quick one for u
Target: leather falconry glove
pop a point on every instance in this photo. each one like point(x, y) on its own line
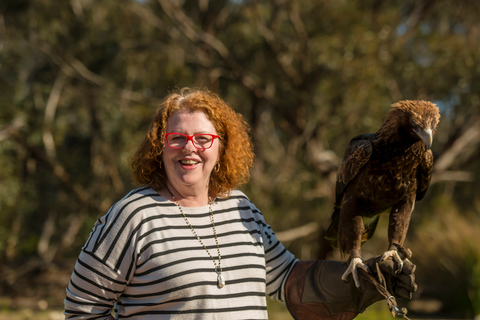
point(314, 289)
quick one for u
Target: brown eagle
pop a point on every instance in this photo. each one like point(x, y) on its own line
point(384, 171)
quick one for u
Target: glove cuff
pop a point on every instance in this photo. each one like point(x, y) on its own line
point(315, 290)
point(294, 291)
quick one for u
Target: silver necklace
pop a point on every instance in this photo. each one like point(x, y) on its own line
point(218, 269)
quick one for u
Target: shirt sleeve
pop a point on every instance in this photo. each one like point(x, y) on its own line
point(279, 262)
point(93, 289)
point(103, 267)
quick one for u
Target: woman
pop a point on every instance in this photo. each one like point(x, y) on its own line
point(186, 244)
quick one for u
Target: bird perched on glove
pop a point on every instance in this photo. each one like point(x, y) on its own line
point(386, 171)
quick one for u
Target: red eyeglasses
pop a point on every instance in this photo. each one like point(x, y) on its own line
point(201, 141)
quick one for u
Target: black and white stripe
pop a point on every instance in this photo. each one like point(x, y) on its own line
point(143, 256)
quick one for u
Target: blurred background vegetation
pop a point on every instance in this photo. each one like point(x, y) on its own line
point(81, 79)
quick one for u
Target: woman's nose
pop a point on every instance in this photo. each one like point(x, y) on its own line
point(189, 146)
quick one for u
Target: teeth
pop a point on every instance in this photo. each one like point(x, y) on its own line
point(189, 162)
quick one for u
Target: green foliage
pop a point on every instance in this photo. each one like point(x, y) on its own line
point(80, 81)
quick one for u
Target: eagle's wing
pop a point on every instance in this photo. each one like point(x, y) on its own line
point(424, 174)
point(356, 156)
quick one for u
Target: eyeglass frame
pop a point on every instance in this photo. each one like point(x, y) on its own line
point(190, 138)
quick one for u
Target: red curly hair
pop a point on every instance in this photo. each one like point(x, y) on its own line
point(236, 155)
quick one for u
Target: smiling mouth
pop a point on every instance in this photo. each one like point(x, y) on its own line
point(188, 162)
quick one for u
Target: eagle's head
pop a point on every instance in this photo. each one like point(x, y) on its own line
point(420, 118)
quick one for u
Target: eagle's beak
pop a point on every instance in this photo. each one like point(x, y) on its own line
point(426, 135)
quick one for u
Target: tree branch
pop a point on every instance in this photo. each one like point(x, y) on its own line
point(190, 31)
point(280, 55)
point(299, 232)
point(461, 176)
point(186, 26)
point(469, 138)
point(50, 110)
point(11, 129)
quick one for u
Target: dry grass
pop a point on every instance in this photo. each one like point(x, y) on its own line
point(29, 314)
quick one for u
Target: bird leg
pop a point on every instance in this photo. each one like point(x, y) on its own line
point(399, 220)
point(355, 263)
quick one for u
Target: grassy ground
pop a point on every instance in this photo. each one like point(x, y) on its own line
point(29, 314)
point(279, 312)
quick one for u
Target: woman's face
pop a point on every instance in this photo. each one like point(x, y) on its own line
point(188, 169)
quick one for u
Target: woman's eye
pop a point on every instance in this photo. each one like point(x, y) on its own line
point(203, 138)
point(177, 139)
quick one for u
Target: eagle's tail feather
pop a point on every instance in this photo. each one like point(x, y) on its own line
point(332, 232)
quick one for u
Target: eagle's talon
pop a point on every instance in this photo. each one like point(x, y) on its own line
point(355, 263)
point(396, 257)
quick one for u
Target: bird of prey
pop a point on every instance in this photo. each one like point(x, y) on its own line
point(386, 171)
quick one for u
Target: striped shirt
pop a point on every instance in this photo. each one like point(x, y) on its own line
point(143, 257)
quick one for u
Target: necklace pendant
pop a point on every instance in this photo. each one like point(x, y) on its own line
point(220, 280)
